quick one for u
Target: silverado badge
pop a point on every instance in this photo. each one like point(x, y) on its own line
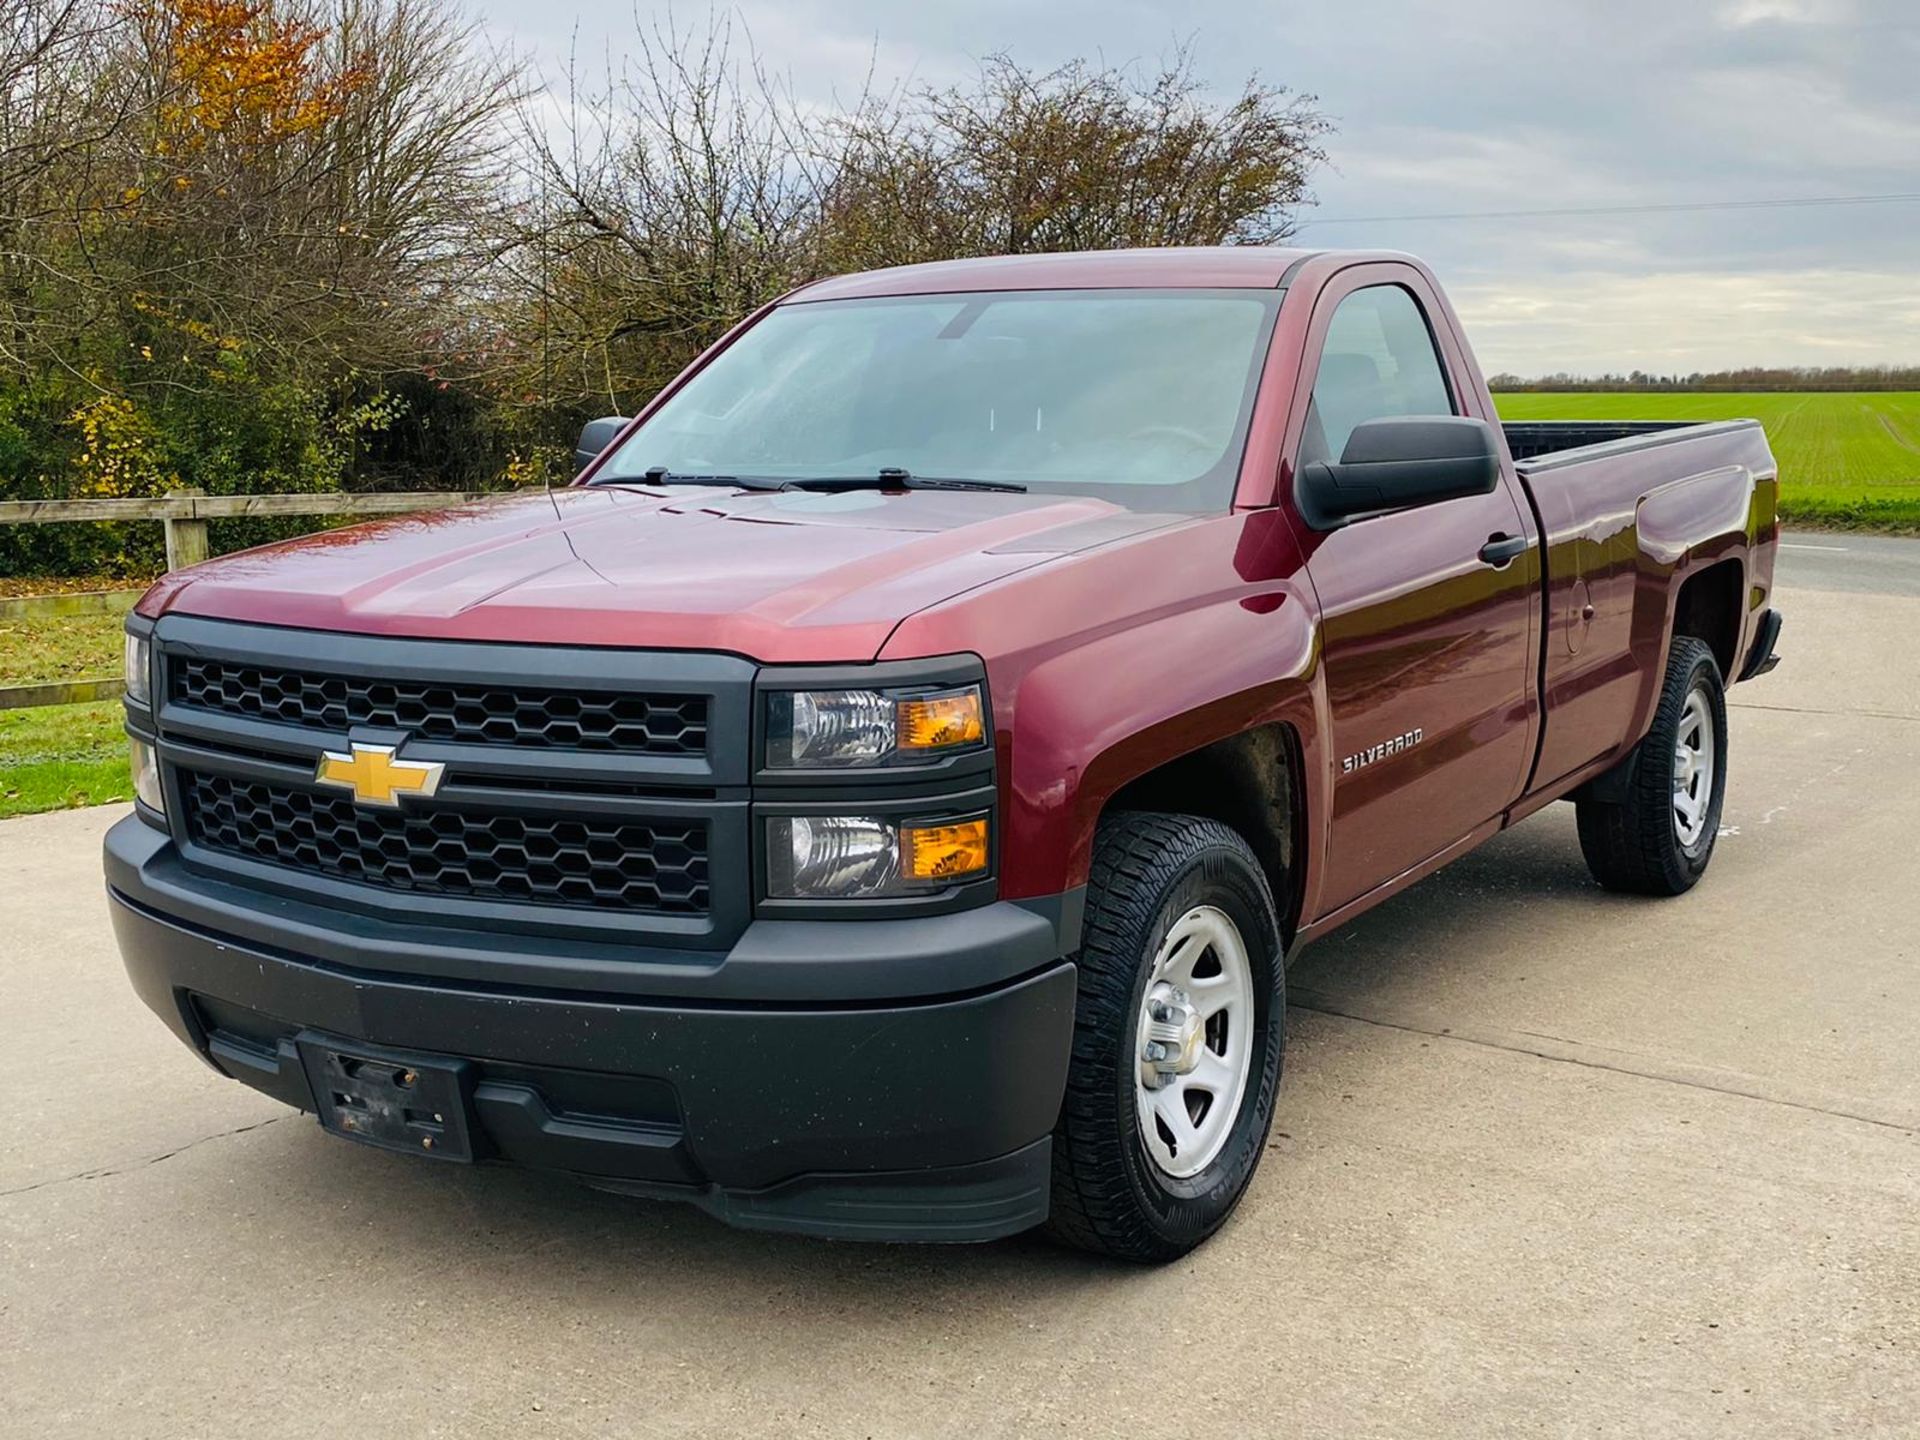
point(375, 777)
point(1366, 757)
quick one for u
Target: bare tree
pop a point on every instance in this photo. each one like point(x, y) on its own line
point(54, 120)
point(1078, 158)
point(688, 188)
point(668, 202)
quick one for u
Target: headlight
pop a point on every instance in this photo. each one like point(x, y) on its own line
point(836, 729)
point(139, 663)
point(146, 777)
point(854, 857)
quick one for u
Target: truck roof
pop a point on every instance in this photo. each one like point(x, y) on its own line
point(1251, 267)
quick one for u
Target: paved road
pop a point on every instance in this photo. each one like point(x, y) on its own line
point(1860, 564)
point(1547, 1162)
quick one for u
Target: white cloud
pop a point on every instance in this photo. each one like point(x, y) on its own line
point(1595, 320)
point(1738, 13)
point(1584, 104)
point(1805, 119)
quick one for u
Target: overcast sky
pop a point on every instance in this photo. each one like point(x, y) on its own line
point(1497, 105)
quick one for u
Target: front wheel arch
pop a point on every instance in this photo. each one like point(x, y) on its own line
point(1254, 784)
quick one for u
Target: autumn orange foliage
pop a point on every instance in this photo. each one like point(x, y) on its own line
point(247, 71)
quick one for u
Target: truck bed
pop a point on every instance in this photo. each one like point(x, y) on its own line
point(1627, 511)
point(1534, 439)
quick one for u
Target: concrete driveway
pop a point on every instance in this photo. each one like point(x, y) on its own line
point(1547, 1162)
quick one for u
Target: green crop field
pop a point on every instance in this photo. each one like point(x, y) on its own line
point(1847, 459)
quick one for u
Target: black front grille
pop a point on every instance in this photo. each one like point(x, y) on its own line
point(463, 713)
point(644, 866)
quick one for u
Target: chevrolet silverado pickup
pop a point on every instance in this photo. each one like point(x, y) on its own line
point(880, 797)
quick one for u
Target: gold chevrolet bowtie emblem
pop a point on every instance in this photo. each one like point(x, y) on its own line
point(375, 777)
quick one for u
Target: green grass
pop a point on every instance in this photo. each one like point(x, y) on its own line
point(54, 757)
point(73, 647)
point(59, 756)
point(1848, 460)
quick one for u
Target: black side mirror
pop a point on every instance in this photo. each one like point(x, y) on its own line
point(595, 436)
point(1399, 462)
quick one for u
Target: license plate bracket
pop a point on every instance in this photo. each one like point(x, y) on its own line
point(415, 1104)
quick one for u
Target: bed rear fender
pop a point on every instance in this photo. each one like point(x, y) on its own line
point(1683, 529)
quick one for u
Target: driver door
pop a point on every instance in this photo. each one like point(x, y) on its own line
point(1429, 651)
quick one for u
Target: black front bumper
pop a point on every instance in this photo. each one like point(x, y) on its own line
point(921, 1118)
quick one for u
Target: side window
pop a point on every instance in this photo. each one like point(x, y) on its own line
point(1378, 360)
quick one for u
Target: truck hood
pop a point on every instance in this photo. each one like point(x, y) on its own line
point(790, 576)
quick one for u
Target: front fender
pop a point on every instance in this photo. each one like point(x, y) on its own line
point(1110, 661)
point(1095, 717)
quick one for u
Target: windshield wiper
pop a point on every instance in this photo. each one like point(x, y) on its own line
point(661, 475)
point(892, 477)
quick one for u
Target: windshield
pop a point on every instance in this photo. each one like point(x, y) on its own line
point(1139, 397)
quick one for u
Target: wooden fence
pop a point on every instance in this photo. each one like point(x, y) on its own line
point(184, 514)
point(15, 608)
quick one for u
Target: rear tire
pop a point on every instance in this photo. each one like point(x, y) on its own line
point(1655, 835)
point(1182, 1004)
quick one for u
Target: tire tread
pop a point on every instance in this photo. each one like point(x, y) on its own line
point(1134, 855)
point(1630, 847)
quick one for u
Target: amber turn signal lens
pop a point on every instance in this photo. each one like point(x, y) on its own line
point(935, 722)
point(943, 852)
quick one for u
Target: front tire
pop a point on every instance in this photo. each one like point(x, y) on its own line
point(1657, 835)
point(1178, 1035)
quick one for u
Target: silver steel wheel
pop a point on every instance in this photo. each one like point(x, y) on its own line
point(1196, 1042)
point(1693, 762)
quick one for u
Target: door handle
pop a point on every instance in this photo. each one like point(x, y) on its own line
point(1502, 550)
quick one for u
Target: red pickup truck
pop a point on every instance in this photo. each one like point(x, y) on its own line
point(880, 797)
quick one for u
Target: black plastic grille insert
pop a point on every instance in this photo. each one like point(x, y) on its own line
point(463, 712)
point(645, 866)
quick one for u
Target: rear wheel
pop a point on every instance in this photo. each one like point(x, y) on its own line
point(1655, 834)
point(1177, 1039)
